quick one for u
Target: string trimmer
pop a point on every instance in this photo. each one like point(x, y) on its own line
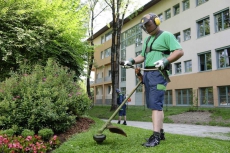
point(100, 137)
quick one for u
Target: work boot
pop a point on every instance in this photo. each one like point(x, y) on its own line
point(118, 122)
point(162, 137)
point(152, 141)
point(124, 123)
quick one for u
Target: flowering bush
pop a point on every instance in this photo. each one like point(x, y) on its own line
point(30, 144)
point(41, 97)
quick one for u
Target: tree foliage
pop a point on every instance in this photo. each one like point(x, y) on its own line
point(34, 31)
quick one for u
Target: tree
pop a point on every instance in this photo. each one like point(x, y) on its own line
point(92, 4)
point(118, 8)
point(34, 31)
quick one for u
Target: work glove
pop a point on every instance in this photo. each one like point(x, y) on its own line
point(161, 64)
point(129, 63)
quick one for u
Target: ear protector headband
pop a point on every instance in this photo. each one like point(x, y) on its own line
point(151, 16)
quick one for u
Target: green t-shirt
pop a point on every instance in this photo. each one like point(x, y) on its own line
point(165, 42)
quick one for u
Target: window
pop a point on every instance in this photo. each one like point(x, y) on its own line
point(168, 97)
point(205, 61)
point(109, 73)
point(123, 74)
point(206, 96)
point(170, 69)
point(108, 36)
point(224, 95)
point(107, 52)
point(223, 57)
point(184, 96)
point(199, 2)
point(102, 39)
point(97, 76)
point(102, 54)
point(177, 68)
point(188, 66)
point(222, 20)
point(138, 39)
point(123, 90)
point(187, 34)
point(129, 37)
point(167, 14)
point(123, 54)
point(97, 91)
point(186, 4)
point(177, 35)
point(176, 9)
point(140, 64)
point(203, 27)
point(161, 17)
point(110, 90)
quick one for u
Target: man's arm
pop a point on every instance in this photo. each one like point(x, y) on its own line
point(139, 59)
point(175, 55)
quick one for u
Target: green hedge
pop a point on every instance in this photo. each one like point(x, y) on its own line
point(41, 97)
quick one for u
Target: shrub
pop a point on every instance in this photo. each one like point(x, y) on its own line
point(27, 132)
point(8, 132)
point(41, 97)
point(46, 134)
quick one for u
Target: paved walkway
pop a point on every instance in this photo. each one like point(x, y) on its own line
point(187, 129)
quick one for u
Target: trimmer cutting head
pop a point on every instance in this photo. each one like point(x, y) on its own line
point(99, 138)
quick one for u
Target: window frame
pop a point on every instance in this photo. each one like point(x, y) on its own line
point(161, 17)
point(184, 31)
point(224, 97)
point(202, 2)
point(205, 61)
point(108, 36)
point(206, 96)
point(168, 98)
point(227, 51)
point(221, 12)
point(183, 3)
point(184, 99)
point(177, 6)
point(176, 36)
point(203, 20)
point(176, 68)
point(187, 68)
point(170, 14)
point(102, 54)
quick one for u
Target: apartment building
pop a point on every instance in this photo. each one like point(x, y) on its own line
point(201, 76)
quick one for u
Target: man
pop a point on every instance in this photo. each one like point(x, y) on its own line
point(122, 111)
point(159, 50)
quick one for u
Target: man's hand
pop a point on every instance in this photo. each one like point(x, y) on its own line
point(161, 64)
point(128, 64)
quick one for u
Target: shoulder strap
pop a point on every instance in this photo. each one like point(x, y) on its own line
point(159, 33)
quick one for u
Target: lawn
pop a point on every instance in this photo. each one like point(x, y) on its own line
point(141, 113)
point(116, 143)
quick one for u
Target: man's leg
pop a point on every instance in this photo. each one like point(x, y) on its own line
point(157, 118)
point(119, 120)
point(124, 123)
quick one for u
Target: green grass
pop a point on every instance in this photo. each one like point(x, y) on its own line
point(115, 143)
point(141, 113)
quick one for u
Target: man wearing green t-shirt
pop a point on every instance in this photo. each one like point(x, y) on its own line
point(158, 50)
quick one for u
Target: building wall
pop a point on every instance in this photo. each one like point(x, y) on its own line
point(192, 48)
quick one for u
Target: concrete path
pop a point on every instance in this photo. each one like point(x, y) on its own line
point(215, 132)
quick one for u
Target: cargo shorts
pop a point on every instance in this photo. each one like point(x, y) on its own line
point(155, 86)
